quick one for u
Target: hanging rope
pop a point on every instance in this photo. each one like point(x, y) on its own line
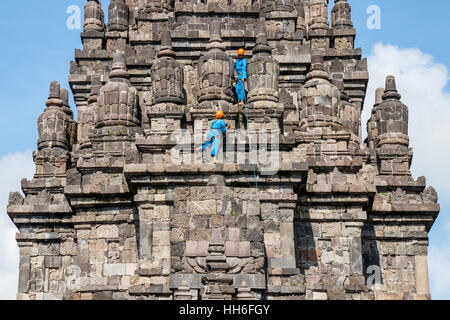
point(250, 145)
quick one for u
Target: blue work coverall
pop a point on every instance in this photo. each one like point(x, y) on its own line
point(241, 70)
point(218, 127)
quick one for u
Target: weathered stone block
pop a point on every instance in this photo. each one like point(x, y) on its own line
point(205, 207)
point(108, 231)
point(116, 269)
point(53, 262)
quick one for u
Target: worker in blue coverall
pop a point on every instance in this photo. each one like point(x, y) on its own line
point(241, 71)
point(218, 128)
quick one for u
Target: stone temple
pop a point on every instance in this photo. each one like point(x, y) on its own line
point(112, 212)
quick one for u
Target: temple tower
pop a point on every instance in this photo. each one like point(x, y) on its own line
point(123, 205)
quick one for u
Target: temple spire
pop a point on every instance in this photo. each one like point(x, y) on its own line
point(166, 45)
point(94, 17)
point(390, 91)
point(388, 131)
point(118, 14)
point(341, 16)
point(119, 67)
point(53, 122)
point(117, 100)
point(167, 74)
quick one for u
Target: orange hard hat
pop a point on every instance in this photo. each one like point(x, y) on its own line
point(220, 114)
point(241, 51)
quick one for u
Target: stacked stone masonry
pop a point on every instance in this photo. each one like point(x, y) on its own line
point(109, 215)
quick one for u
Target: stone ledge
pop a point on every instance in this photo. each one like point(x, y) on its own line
point(131, 170)
point(340, 189)
point(92, 55)
point(97, 287)
point(406, 208)
point(149, 289)
point(283, 271)
point(39, 209)
point(190, 8)
point(47, 236)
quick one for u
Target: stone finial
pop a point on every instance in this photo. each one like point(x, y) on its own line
point(261, 38)
point(261, 29)
point(119, 66)
point(65, 96)
point(118, 14)
point(390, 83)
point(65, 99)
point(53, 122)
point(317, 70)
point(215, 28)
point(54, 98)
point(94, 18)
point(392, 121)
point(341, 16)
point(391, 89)
point(215, 40)
point(317, 60)
point(166, 45)
point(55, 89)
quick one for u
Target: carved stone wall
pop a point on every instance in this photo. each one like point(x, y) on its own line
point(121, 209)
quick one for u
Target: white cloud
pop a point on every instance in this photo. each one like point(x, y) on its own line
point(421, 81)
point(13, 167)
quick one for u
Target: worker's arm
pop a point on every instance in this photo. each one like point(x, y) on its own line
point(227, 126)
point(223, 126)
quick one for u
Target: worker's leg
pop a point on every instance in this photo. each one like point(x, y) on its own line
point(240, 90)
point(215, 147)
point(209, 139)
point(206, 145)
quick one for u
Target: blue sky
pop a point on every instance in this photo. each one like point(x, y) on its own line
point(37, 47)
